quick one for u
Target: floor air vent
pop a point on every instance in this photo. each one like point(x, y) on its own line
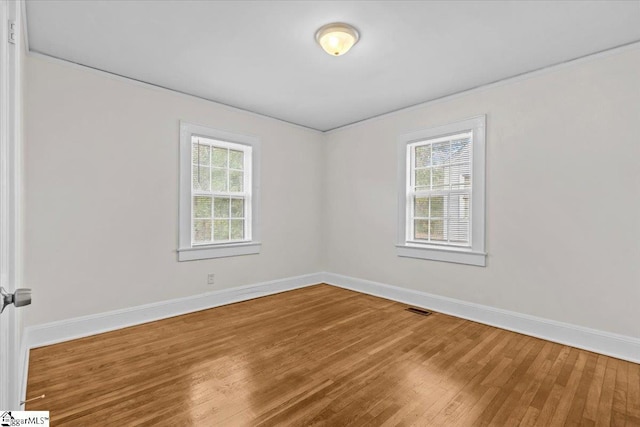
point(420, 311)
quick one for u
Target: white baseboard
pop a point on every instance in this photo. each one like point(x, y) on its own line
point(618, 346)
point(65, 330)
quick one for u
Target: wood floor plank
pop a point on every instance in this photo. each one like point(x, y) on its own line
point(595, 389)
point(576, 408)
point(633, 393)
point(619, 406)
point(329, 357)
point(604, 415)
point(570, 390)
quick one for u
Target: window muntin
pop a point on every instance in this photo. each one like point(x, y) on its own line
point(220, 191)
point(439, 190)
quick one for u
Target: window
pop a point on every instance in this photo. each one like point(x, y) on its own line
point(441, 193)
point(218, 194)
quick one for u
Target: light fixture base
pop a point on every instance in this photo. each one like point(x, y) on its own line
point(337, 38)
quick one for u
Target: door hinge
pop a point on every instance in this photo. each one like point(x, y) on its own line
point(12, 32)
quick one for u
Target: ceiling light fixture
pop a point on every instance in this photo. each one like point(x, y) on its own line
point(336, 39)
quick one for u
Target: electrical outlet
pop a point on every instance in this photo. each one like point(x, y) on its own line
point(211, 279)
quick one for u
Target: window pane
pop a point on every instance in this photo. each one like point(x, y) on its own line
point(421, 229)
point(440, 178)
point(466, 180)
point(237, 208)
point(200, 177)
point(237, 229)
point(236, 180)
point(459, 231)
point(461, 150)
point(236, 159)
point(459, 206)
point(202, 230)
point(460, 176)
point(221, 207)
point(221, 229)
point(423, 178)
point(437, 227)
point(200, 154)
point(219, 180)
point(465, 207)
point(194, 152)
point(220, 157)
point(438, 208)
point(202, 207)
point(423, 156)
point(421, 207)
point(440, 153)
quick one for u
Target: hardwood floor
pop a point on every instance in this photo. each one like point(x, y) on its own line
point(327, 356)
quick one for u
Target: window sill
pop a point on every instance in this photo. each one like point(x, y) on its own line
point(218, 251)
point(455, 255)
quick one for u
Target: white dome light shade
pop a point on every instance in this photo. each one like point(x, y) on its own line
point(336, 39)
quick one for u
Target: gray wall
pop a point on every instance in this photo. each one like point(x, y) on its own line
point(102, 194)
point(563, 196)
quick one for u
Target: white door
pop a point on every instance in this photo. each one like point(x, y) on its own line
point(10, 153)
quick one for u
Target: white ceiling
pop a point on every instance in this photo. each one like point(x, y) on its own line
point(261, 56)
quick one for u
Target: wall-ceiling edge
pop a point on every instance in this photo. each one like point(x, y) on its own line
point(508, 80)
point(148, 85)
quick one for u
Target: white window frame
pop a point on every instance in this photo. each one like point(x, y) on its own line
point(188, 251)
point(474, 254)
